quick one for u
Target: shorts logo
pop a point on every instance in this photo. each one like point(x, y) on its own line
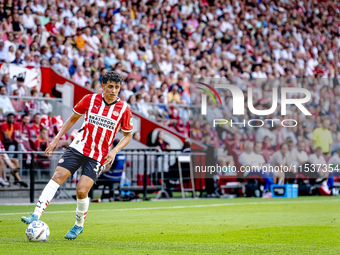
point(61, 160)
point(115, 113)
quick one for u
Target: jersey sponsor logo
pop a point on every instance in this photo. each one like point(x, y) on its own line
point(115, 113)
point(102, 121)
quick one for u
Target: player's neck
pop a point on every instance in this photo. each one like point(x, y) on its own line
point(110, 100)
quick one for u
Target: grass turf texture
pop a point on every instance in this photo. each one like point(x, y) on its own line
point(306, 225)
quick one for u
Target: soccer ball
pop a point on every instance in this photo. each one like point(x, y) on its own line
point(37, 231)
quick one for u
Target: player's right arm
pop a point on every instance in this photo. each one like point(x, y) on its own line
point(78, 111)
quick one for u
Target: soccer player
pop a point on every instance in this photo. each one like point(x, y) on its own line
point(105, 114)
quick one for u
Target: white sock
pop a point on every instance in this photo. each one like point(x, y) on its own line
point(82, 207)
point(46, 197)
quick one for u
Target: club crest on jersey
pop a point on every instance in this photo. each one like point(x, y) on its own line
point(115, 113)
point(61, 160)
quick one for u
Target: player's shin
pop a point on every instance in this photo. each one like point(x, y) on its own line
point(46, 197)
point(82, 207)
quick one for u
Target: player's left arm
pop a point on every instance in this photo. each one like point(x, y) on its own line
point(110, 157)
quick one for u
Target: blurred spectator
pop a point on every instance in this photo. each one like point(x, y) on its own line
point(135, 73)
point(3, 178)
point(322, 138)
point(18, 103)
point(17, 59)
point(298, 156)
point(51, 27)
point(13, 164)
point(7, 132)
point(5, 82)
point(280, 159)
point(42, 142)
point(174, 95)
point(318, 159)
point(35, 127)
point(33, 106)
point(79, 76)
point(20, 87)
point(96, 86)
point(160, 143)
point(46, 106)
point(335, 159)
point(24, 127)
point(5, 103)
point(261, 133)
point(73, 67)
point(196, 132)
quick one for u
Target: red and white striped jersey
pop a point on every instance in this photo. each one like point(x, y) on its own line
point(102, 121)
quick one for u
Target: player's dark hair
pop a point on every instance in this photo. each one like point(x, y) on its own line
point(112, 76)
point(10, 114)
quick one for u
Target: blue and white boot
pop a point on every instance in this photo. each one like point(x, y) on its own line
point(29, 219)
point(74, 232)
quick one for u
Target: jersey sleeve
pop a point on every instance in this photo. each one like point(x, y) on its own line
point(83, 105)
point(3, 127)
point(127, 125)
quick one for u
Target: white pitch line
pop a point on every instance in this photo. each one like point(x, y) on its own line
point(186, 206)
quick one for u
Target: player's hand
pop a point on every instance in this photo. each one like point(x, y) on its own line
point(110, 157)
point(51, 147)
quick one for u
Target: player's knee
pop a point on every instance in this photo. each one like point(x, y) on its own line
point(81, 193)
point(59, 177)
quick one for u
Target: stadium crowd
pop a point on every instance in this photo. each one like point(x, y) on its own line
point(159, 47)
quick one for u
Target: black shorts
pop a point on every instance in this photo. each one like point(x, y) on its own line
point(73, 159)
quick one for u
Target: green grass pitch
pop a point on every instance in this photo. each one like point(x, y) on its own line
point(306, 225)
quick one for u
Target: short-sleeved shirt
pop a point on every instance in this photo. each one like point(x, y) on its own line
point(334, 160)
point(40, 144)
point(23, 129)
point(9, 130)
point(252, 159)
point(34, 130)
point(277, 158)
point(102, 121)
point(314, 159)
point(322, 138)
point(295, 155)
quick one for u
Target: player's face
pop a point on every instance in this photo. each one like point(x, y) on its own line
point(111, 90)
